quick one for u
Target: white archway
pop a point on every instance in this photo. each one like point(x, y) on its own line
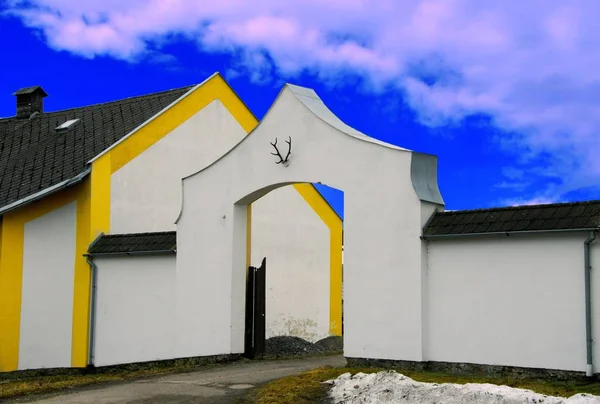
point(388, 192)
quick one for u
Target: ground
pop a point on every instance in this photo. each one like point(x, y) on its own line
point(299, 381)
point(226, 384)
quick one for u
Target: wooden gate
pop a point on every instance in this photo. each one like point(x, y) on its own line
point(254, 341)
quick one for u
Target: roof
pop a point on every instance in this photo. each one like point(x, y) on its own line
point(137, 243)
point(34, 156)
point(550, 217)
point(29, 90)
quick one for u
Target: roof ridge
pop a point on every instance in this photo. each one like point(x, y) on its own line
point(132, 98)
point(520, 207)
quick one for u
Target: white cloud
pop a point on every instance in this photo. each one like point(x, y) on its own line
point(526, 202)
point(531, 65)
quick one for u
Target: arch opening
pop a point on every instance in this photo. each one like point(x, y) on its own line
point(303, 282)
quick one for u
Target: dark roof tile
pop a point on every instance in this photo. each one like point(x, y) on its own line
point(562, 216)
point(534, 213)
point(578, 210)
point(506, 216)
point(547, 213)
point(469, 228)
point(521, 225)
point(580, 222)
point(482, 227)
point(134, 243)
point(481, 217)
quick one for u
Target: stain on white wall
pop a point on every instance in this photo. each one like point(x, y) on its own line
point(146, 192)
point(295, 241)
point(47, 294)
point(515, 301)
point(135, 309)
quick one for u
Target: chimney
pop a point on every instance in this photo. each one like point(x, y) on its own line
point(29, 101)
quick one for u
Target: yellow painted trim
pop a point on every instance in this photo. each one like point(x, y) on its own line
point(163, 124)
point(334, 223)
point(0, 240)
point(93, 218)
point(11, 278)
point(11, 265)
point(100, 196)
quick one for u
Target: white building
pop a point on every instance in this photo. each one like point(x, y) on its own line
point(507, 287)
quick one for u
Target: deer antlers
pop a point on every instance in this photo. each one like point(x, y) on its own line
point(281, 159)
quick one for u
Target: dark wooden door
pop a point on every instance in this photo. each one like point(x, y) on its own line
point(254, 339)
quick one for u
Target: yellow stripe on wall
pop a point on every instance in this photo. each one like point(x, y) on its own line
point(333, 221)
point(0, 240)
point(93, 218)
point(11, 271)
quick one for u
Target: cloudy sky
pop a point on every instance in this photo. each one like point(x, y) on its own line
point(506, 93)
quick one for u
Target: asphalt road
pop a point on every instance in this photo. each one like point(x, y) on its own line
point(223, 384)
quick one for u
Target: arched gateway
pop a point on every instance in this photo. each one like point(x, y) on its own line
point(389, 192)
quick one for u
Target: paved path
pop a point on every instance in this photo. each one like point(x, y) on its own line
point(223, 384)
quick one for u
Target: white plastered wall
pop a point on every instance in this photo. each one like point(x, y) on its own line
point(427, 212)
point(296, 242)
point(135, 309)
point(146, 197)
point(515, 301)
point(382, 257)
point(47, 291)
point(146, 192)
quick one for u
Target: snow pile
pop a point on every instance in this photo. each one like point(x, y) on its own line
point(391, 387)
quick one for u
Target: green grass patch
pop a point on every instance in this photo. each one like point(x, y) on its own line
point(306, 388)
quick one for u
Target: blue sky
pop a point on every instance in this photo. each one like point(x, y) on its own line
point(508, 97)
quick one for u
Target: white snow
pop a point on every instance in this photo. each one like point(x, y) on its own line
point(392, 387)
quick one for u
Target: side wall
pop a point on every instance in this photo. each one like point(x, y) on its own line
point(135, 309)
point(47, 294)
point(295, 241)
point(515, 301)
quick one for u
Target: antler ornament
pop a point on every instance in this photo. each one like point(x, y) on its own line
point(282, 160)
